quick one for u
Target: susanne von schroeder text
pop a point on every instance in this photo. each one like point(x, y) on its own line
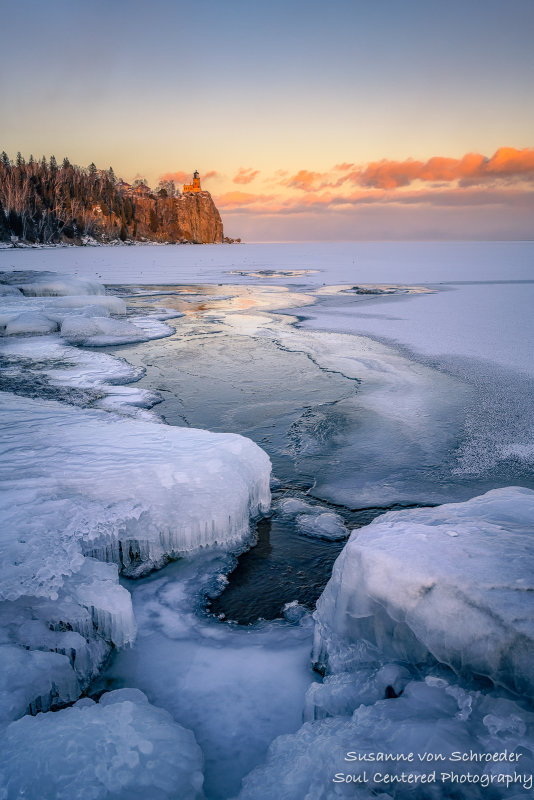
point(470, 755)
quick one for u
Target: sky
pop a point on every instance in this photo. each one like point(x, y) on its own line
point(346, 119)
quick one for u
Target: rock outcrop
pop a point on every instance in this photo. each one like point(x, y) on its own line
point(191, 217)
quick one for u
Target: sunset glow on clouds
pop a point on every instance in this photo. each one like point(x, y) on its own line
point(506, 176)
point(304, 119)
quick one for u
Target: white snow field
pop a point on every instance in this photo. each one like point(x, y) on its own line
point(453, 583)
point(121, 748)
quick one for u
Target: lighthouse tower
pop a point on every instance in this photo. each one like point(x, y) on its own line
point(195, 186)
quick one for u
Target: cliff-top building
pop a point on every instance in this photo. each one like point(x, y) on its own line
point(195, 186)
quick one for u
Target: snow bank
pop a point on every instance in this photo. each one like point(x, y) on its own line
point(122, 748)
point(452, 583)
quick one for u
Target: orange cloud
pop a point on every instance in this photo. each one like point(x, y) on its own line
point(472, 168)
point(455, 197)
point(305, 180)
point(177, 177)
point(245, 175)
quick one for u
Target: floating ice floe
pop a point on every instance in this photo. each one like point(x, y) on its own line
point(452, 584)
point(122, 748)
point(325, 525)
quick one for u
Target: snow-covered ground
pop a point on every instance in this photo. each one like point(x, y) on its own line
point(424, 633)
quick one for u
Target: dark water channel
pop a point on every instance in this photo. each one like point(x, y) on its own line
point(210, 378)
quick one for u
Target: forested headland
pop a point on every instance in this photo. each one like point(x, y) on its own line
point(44, 202)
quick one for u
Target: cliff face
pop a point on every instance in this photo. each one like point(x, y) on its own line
point(199, 218)
point(188, 218)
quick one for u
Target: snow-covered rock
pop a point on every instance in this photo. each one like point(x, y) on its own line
point(122, 748)
point(453, 583)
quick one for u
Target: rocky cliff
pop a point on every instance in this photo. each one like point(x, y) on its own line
point(188, 218)
point(42, 202)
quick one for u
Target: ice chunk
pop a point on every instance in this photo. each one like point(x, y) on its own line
point(452, 583)
point(135, 493)
point(49, 284)
point(90, 613)
point(291, 506)
point(32, 681)
point(30, 322)
point(430, 721)
point(343, 693)
point(122, 748)
point(323, 526)
point(100, 331)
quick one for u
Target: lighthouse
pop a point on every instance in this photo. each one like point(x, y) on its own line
point(195, 186)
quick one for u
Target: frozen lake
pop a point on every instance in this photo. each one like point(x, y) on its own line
point(375, 376)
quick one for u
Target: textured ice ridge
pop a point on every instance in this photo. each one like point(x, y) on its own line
point(453, 583)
